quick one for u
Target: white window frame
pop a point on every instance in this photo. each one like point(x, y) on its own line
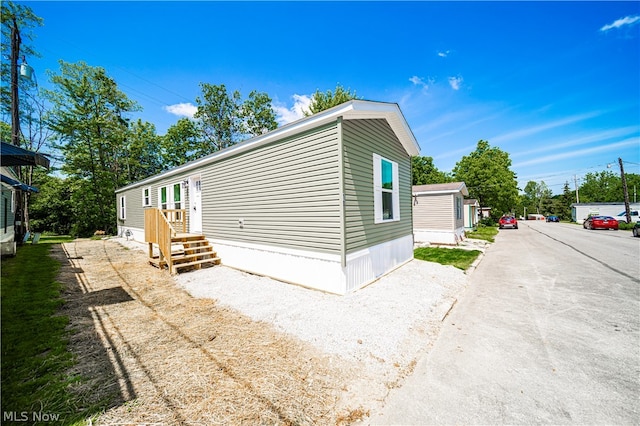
point(459, 213)
point(123, 207)
point(146, 196)
point(378, 190)
point(171, 202)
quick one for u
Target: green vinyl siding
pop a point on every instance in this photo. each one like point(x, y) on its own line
point(362, 139)
point(286, 194)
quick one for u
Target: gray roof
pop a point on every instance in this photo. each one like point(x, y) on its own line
point(440, 188)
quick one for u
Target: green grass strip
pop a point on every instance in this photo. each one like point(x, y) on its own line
point(486, 233)
point(35, 360)
point(459, 258)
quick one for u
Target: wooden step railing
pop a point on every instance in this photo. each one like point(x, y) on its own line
point(158, 229)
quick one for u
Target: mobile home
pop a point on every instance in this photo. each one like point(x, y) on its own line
point(323, 202)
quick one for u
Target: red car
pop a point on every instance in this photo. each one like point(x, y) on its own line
point(600, 222)
point(508, 222)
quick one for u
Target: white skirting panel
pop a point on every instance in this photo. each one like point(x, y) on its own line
point(367, 265)
point(439, 236)
point(320, 271)
point(135, 234)
point(306, 268)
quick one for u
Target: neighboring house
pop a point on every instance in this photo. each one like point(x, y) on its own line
point(581, 211)
point(12, 190)
point(485, 212)
point(323, 202)
point(438, 216)
point(471, 214)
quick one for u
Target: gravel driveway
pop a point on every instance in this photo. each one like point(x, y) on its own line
point(383, 327)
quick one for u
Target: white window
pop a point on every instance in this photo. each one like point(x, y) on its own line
point(458, 208)
point(170, 198)
point(146, 196)
point(386, 190)
point(123, 208)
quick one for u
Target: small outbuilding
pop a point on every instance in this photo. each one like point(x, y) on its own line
point(323, 202)
point(438, 216)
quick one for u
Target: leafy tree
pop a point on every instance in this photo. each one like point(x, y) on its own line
point(183, 142)
point(321, 101)
point(87, 117)
point(227, 120)
point(143, 157)
point(487, 174)
point(258, 114)
point(21, 19)
point(536, 196)
point(52, 208)
point(602, 186)
point(423, 172)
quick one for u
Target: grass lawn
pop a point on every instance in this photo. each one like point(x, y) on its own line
point(459, 258)
point(486, 233)
point(35, 359)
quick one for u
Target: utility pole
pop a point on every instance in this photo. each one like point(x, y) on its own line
point(15, 111)
point(626, 192)
point(575, 182)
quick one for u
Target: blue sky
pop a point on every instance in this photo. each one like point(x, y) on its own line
point(554, 84)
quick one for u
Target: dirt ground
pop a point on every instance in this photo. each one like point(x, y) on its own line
point(160, 356)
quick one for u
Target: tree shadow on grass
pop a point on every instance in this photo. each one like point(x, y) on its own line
point(102, 379)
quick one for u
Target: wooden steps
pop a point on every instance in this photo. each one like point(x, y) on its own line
point(188, 251)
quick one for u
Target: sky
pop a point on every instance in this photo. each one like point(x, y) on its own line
point(554, 84)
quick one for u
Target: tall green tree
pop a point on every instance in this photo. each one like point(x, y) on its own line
point(424, 172)
point(143, 154)
point(21, 19)
point(88, 118)
point(226, 119)
point(183, 142)
point(321, 101)
point(489, 178)
point(537, 196)
point(604, 186)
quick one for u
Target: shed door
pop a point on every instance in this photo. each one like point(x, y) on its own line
point(195, 201)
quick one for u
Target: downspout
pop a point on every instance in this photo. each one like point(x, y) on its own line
point(343, 233)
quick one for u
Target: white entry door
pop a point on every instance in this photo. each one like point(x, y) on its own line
point(195, 205)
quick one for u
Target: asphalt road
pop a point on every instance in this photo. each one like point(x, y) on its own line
point(548, 331)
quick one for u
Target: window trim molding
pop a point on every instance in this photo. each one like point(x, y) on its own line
point(378, 190)
point(146, 203)
point(122, 208)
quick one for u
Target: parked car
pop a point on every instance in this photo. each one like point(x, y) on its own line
point(622, 217)
point(600, 222)
point(636, 229)
point(508, 222)
point(553, 219)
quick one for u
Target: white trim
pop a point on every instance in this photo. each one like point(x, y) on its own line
point(144, 201)
point(320, 271)
point(281, 250)
point(378, 190)
point(122, 207)
point(439, 236)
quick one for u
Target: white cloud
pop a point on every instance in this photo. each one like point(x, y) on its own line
point(627, 20)
point(286, 115)
point(419, 81)
point(579, 153)
point(182, 110)
point(455, 82)
point(444, 54)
